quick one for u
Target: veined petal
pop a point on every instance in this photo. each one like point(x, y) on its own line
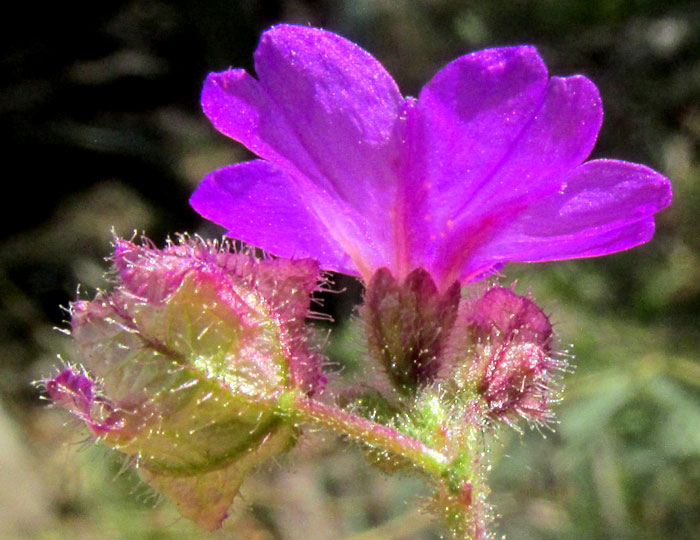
point(557, 137)
point(466, 120)
point(605, 206)
point(336, 95)
point(261, 205)
point(472, 113)
point(324, 110)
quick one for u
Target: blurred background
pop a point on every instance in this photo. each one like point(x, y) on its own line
point(101, 128)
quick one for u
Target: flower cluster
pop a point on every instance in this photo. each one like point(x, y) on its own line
point(197, 364)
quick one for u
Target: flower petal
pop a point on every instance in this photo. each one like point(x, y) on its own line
point(260, 204)
point(324, 111)
point(606, 206)
point(559, 136)
point(556, 135)
point(339, 100)
point(492, 116)
point(472, 113)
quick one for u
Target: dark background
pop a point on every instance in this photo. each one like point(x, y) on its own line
point(100, 128)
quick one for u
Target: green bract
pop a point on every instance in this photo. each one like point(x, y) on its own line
point(191, 353)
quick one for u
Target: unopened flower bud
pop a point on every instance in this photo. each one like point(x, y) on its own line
point(505, 355)
point(407, 325)
point(185, 361)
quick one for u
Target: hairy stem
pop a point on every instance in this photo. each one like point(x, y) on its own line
point(377, 436)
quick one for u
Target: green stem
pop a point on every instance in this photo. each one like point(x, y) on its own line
point(460, 488)
point(360, 429)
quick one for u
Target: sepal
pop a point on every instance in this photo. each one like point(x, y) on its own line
point(407, 324)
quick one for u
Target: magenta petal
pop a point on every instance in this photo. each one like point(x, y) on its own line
point(472, 113)
point(558, 136)
point(241, 109)
point(341, 105)
point(606, 206)
point(261, 206)
point(323, 108)
point(324, 111)
point(237, 107)
point(491, 121)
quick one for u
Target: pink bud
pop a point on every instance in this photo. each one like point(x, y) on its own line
point(503, 315)
point(504, 352)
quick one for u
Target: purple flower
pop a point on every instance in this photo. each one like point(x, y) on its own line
point(485, 167)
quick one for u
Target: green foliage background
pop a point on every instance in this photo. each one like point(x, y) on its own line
point(101, 128)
